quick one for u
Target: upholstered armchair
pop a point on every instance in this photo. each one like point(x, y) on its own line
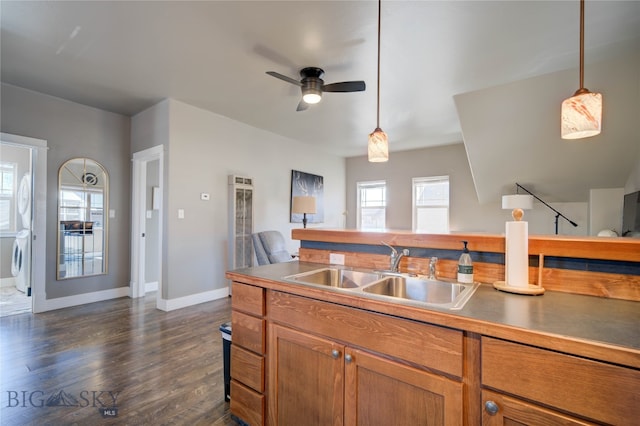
point(270, 247)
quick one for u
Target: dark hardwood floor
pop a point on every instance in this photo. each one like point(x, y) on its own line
point(68, 367)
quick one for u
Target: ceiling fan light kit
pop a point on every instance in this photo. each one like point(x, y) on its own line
point(582, 113)
point(311, 96)
point(378, 146)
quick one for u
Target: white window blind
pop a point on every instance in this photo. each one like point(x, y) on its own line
point(372, 204)
point(8, 195)
point(431, 204)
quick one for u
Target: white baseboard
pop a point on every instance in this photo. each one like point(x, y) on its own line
point(193, 299)
point(149, 287)
point(8, 282)
point(82, 299)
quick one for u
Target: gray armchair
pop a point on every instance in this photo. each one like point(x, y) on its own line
point(270, 247)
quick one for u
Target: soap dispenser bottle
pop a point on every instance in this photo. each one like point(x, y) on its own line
point(465, 266)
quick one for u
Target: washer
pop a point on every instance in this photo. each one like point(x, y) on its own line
point(24, 200)
point(20, 260)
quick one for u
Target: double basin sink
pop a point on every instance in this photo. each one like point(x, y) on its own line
point(403, 288)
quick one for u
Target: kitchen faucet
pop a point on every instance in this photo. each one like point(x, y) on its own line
point(394, 258)
point(432, 268)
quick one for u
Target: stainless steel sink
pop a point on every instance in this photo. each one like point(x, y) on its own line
point(425, 291)
point(336, 277)
point(393, 287)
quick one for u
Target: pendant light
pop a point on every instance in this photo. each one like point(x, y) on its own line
point(581, 113)
point(378, 142)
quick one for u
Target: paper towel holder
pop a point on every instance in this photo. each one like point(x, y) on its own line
point(518, 203)
point(532, 289)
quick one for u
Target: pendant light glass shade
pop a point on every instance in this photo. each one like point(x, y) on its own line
point(581, 115)
point(378, 146)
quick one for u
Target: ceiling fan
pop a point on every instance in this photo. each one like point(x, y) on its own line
point(312, 85)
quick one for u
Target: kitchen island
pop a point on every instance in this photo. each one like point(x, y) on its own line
point(305, 354)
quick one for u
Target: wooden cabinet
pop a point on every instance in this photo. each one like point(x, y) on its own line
point(248, 347)
point(299, 360)
point(337, 378)
point(306, 379)
point(546, 383)
point(502, 410)
point(379, 391)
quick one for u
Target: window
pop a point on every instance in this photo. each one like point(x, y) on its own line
point(8, 196)
point(372, 203)
point(81, 205)
point(431, 204)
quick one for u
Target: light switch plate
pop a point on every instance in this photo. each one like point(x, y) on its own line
point(336, 259)
point(180, 213)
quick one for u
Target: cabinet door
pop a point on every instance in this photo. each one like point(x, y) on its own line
point(502, 410)
point(383, 392)
point(306, 380)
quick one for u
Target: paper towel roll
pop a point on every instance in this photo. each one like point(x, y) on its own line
point(517, 254)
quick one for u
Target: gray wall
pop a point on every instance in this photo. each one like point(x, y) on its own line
point(74, 130)
point(466, 214)
point(152, 271)
point(201, 149)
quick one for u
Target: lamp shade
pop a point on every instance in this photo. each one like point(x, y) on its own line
point(304, 204)
point(517, 201)
point(581, 115)
point(378, 146)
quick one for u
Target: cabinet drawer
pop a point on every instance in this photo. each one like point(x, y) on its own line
point(248, 368)
point(423, 344)
point(247, 404)
point(247, 298)
point(248, 332)
point(599, 391)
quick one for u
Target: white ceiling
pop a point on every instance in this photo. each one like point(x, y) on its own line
point(125, 56)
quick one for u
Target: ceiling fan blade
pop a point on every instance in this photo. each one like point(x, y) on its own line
point(345, 86)
point(284, 77)
point(302, 106)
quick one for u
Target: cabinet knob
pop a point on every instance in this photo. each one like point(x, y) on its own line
point(335, 354)
point(348, 358)
point(491, 408)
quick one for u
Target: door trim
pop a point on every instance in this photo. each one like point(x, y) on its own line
point(39, 215)
point(138, 220)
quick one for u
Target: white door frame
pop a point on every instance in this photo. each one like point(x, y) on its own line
point(138, 219)
point(39, 215)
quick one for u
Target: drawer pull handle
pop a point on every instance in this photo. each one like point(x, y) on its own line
point(491, 408)
point(348, 358)
point(335, 354)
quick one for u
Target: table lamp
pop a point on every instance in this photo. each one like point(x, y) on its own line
point(303, 205)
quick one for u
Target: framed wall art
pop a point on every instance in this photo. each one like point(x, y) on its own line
point(307, 185)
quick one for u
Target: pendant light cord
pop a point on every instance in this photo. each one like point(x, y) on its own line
point(378, 110)
point(581, 44)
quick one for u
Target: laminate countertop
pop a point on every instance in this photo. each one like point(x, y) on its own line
point(592, 327)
